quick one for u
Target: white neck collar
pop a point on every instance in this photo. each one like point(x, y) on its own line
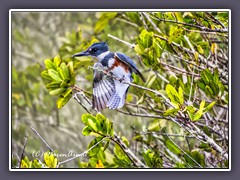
point(101, 56)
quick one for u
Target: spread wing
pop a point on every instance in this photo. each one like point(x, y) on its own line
point(103, 88)
point(127, 60)
point(118, 98)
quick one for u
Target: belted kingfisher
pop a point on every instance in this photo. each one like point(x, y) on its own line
point(108, 91)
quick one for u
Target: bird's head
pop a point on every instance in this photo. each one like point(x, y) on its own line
point(95, 50)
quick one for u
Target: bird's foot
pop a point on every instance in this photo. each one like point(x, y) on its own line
point(120, 80)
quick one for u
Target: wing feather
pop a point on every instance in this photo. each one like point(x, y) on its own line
point(128, 61)
point(103, 88)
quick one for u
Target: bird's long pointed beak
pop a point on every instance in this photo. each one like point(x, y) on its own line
point(84, 53)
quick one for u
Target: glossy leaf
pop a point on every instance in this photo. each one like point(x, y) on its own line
point(54, 75)
point(63, 99)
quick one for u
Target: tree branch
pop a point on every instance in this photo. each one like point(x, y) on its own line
point(43, 140)
point(202, 28)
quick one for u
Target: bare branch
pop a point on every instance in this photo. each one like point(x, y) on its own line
point(82, 154)
point(122, 41)
point(43, 140)
point(153, 24)
point(202, 28)
point(128, 152)
point(22, 155)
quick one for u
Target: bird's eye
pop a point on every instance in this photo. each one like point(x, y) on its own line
point(94, 49)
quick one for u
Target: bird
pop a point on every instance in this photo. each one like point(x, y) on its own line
point(110, 71)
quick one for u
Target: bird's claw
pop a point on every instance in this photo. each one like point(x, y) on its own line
point(120, 80)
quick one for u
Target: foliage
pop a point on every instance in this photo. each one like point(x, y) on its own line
point(185, 57)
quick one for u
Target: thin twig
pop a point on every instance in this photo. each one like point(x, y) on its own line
point(42, 139)
point(191, 25)
point(180, 70)
point(143, 20)
point(22, 155)
point(185, 153)
point(127, 151)
point(215, 20)
point(201, 58)
point(142, 115)
point(166, 134)
point(82, 154)
point(122, 41)
point(153, 24)
point(193, 50)
point(79, 101)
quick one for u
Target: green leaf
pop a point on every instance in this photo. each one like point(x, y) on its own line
point(152, 159)
point(118, 152)
point(172, 147)
point(57, 61)
point(138, 50)
point(198, 115)
point(50, 160)
point(196, 55)
point(125, 140)
point(216, 76)
point(71, 68)
point(201, 85)
point(214, 87)
point(25, 163)
point(63, 99)
point(93, 125)
point(146, 39)
point(154, 125)
point(202, 104)
point(66, 83)
point(179, 165)
point(102, 123)
point(86, 131)
point(179, 16)
point(151, 80)
point(199, 158)
point(101, 155)
point(200, 50)
point(191, 109)
point(60, 72)
point(49, 64)
point(205, 147)
point(65, 70)
point(54, 75)
point(174, 34)
point(57, 91)
point(36, 164)
point(208, 90)
point(85, 118)
point(53, 85)
point(172, 94)
point(180, 93)
point(171, 111)
point(104, 20)
point(96, 149)
point(45, 75)
point(205, 78)
point(206, 109)
point(172, 79)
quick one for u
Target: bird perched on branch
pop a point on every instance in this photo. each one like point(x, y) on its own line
point(110, 73)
